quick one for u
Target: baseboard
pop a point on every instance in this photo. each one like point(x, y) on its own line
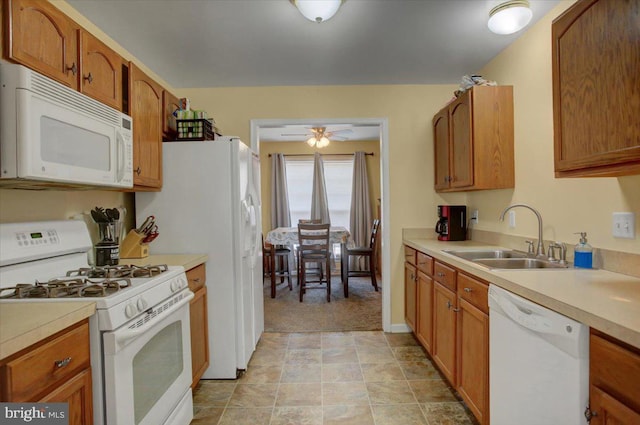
point(400, 328)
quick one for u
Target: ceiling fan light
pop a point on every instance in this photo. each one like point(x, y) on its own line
point(311, 142)
point(323, 142)
point(509, 17)
point(318, 10)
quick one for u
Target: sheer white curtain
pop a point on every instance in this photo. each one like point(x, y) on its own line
point(319, 203)
point(360, 218)
point(280, 214)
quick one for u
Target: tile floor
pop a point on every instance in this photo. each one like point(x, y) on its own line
point(356, 378)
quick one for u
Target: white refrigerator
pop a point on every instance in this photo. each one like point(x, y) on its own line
point(210, 204)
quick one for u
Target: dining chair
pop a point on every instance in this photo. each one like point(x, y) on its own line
point(276, 264)
point(317, 269)
point(314, 248)
point(365, 251)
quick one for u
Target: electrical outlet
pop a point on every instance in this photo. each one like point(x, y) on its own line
point(474, 216)
point(512, 219)
point(624, 225)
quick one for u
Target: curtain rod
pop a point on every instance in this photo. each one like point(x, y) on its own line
point(328, 154)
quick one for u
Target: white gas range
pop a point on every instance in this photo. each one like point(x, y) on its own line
point(140, 335)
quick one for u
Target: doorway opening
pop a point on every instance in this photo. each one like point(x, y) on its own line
point(380, 126)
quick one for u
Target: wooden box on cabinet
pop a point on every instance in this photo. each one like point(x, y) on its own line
point(614, 374)
point(199, 323)
point(58, 369)
point(473, 141)
point(145, 108)
point(170, 103)
point(596, 86)
point(410, 288)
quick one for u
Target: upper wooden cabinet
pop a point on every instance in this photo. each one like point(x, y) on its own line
point(170, 103)
point(145, 107)
point(473, 141)
point(596, 87)
point(101, 71)
point(43, 38)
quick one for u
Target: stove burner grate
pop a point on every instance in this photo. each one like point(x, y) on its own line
point(119, 271)
point(66, 288)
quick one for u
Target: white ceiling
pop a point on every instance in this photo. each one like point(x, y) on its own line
point(227, 43)
point(223, 43)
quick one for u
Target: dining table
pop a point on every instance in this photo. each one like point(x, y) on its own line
point(289, 235)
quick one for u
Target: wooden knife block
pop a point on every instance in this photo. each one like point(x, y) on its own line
point(132, 246)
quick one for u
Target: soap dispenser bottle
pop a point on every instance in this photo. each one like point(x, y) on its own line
point(583, 253)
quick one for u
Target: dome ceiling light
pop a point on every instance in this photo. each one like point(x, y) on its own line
point(317, 10)
point(509, 17)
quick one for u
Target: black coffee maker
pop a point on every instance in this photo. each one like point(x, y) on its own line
point(452, 223)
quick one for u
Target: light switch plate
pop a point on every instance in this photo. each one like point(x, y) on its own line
point(624, 225)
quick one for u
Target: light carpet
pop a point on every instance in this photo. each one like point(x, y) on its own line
point(362, 311)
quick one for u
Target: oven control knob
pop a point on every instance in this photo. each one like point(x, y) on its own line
point(142, 305)
point(175, 285)
point(130, 310)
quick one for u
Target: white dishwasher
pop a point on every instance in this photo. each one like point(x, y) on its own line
point(538, 363)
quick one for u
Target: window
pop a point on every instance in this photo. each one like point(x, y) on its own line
point(338, 174)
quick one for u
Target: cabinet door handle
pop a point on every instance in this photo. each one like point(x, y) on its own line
point(62, 363)
point(138, 171)
point(196, 280)
point(440, 274)
point(89, 78)
point(467, 289)
point(73, 68)
point(455, 310)
point(449, 305)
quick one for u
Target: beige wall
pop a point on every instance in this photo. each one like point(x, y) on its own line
point(567, 205)
point(409, 110)
point(373, 168)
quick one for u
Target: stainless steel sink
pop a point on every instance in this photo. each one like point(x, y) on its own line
point(487, 254)
point(519, 263)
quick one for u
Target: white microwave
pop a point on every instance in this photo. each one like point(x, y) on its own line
point(53, 134)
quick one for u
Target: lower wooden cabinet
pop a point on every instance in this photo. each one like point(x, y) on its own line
point(452, 324)
point(199, 323)
point(77, 393)
point(444, 331)
point(410, 288)
point(424, 313)
point(473, 359)
point(614, 374)
point(57, 369)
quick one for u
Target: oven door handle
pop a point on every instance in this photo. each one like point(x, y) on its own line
point(116, 340)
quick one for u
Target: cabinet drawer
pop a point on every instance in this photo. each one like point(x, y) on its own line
point(615, 369)
point(474, 291)
point(196, 277)
point(425, 263)
point(48, 364)
point(410, 255)
point(444, 275)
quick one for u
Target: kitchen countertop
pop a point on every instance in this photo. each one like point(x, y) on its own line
point(188, 261)
point(607, 301)
point(25, 323)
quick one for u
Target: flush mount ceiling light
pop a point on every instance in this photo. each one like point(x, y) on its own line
point(318, 140)
point(317, 10)
point(509, 17)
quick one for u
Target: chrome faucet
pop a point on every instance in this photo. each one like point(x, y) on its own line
point(539, 246)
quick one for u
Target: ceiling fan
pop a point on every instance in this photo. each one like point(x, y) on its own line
point(319, 136)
